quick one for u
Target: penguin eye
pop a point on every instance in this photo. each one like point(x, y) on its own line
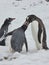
point(8, 19)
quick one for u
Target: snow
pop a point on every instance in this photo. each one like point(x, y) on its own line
point(20, 10)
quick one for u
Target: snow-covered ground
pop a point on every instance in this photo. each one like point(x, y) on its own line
point(20, 10)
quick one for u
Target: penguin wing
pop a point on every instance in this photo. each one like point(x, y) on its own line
point(10, 33)
point(39, 33)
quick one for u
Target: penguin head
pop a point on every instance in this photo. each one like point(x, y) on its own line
point(30, 18)
point(9, 20)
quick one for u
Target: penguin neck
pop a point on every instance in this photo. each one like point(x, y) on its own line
point(4, 25)
point(25, 25)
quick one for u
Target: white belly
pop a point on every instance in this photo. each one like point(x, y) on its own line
point(34, 29)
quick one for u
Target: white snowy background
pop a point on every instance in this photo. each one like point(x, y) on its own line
point(20, 10)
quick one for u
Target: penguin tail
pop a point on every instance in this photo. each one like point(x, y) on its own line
point(46, 48)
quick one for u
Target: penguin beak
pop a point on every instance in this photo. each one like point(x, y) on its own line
point(13, 18)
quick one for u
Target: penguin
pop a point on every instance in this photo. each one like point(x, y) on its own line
point(18, 38)
point(4, 30)
point(38, 32)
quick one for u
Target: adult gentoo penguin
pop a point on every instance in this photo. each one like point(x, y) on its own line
point(18, 37)
point(4, 30)
point(38, 32)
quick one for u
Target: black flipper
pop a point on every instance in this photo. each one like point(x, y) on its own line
point(44, 43)
point(10, 33)
point(39, 33)
point(26, 45)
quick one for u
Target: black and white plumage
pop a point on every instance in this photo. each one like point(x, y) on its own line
point(18, 37)
point(38, 32)
point(4, 30)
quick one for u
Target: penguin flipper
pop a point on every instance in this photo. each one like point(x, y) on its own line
point(44, 43)
point(39, 33)
point(10, 33)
